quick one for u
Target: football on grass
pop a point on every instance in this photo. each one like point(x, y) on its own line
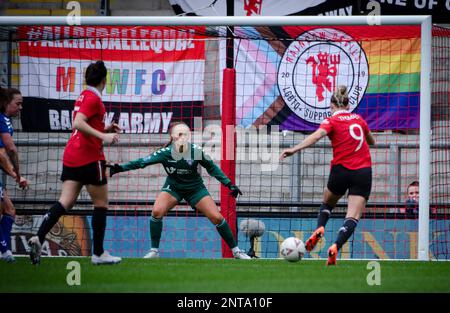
point(292, 249)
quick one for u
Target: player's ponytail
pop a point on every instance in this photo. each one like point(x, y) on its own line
point(168, 143)
point(340, 97)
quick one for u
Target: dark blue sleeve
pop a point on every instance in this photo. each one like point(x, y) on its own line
point(156, 157)
point(3, 126)
point(3, 129)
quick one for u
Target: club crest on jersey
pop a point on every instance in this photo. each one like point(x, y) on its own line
point(171, 169)
point(313, 66)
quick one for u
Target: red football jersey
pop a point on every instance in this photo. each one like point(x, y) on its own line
point(83, 149)
point(347, 132)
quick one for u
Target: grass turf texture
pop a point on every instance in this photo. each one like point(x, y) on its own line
point(223, 275)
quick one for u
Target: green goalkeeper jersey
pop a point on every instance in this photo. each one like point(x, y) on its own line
point(182, 169)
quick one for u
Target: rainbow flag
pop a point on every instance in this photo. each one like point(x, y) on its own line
point(288, 77)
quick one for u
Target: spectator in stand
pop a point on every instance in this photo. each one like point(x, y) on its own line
point(412, 201)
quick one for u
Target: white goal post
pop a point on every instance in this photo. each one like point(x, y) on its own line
point(425, 67)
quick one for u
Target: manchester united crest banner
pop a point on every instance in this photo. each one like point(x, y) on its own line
point(288, 77)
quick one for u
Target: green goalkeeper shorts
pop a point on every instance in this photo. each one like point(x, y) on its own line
point(192, 196)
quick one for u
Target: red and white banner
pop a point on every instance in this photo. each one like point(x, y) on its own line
point(438, 9)
point(149, 69)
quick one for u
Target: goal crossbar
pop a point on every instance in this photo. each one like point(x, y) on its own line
point(216, 20)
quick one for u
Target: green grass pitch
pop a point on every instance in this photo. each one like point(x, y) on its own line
point(223, 275)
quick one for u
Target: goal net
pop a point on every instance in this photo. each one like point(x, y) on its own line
point(284, 75)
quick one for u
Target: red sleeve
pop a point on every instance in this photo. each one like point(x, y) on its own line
point(89, 106)
point(326, 125)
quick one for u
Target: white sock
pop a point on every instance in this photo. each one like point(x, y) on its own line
point(6, 253)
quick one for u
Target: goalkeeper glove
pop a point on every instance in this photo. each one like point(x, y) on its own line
point(235, 191)
point(113, 169)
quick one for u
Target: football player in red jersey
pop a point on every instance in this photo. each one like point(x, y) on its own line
point(84, 165)
point(351, 168)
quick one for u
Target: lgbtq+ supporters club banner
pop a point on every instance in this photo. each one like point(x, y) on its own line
point(155, 75)
point(288, 79)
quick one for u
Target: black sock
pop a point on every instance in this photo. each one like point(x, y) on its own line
point(98, 229)
point(324, 215)
point(346, 231)
point(156, 226)
point(50, 219)
point(227, 235)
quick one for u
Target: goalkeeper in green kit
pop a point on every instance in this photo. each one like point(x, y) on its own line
point(180, 160)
